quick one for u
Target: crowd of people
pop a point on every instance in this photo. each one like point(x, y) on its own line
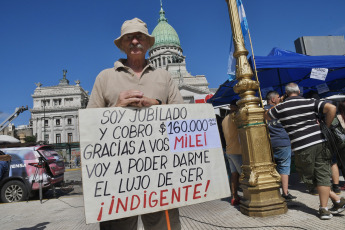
point(313, 158)
point(297, 127)
point(307, 128)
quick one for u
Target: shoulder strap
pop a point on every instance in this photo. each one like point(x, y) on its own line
point(335, 122)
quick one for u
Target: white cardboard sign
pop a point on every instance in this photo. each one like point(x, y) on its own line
point(319, 73)
point(322, 88)
point(137, 161)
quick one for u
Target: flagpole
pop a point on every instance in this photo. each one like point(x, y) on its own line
point(255, 71)
point(259, 180)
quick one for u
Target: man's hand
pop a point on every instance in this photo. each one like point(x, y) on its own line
point(134, 98)
point(129, 98)
point(266, 116)
point(282, 98)
point(145, 102)
point(5, 157)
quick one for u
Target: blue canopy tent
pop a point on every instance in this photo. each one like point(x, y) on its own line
point(281, 67)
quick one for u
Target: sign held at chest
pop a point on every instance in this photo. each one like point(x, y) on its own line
point(137, 161)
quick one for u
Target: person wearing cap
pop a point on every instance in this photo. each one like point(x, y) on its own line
point(135, 82)
point(233, 150)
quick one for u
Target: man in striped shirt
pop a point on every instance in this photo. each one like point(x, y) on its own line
point(312, 156)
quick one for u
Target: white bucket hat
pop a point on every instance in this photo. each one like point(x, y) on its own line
point(133, 26)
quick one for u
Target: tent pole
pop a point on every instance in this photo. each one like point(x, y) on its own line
point(255, 71)
point(280, 81)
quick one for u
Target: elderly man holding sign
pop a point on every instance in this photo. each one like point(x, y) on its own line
point(133, 82)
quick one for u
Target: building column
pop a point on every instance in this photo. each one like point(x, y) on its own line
point(38, 128)
point(51, 133)
point(77, 136)
point(63, 133)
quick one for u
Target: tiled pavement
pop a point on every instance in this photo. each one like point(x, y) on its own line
point(67, 212)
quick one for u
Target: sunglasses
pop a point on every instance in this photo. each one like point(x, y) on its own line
point(139, 37)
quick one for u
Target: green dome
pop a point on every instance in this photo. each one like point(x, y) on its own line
point(164, 33)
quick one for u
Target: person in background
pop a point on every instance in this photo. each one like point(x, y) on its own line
point(334, 165)
point(312, 156)
point(338, 128)
point(335, 175)
point(4, 163)
point(76, 160)
point(281, 146)
point(222, 140)
point(135, 82)
point(233, 151)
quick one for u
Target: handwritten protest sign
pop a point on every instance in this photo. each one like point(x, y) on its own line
point(322, 88)
point(137, 161)
point(319, 73)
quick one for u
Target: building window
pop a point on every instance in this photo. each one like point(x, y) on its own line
point(57, 122)
point(45, 103)
point(46, 138)
point(69, 121)
point(57, 102)
point(58, 138)
point(68, 101)
point(45, 122)
point(70, 137)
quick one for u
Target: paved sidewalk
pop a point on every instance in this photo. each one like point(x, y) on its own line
point(68, 213)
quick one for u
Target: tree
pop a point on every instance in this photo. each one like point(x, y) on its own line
point(30, 139)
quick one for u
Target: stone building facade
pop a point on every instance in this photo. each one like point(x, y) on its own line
point(54, 115)
point(167, 53)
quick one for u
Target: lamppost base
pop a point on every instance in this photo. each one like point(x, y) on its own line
point(262, 201)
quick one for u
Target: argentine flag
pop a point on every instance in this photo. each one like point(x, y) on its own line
point(244, 26)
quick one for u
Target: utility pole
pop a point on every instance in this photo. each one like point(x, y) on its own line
point(259, 179)
point(44, 120)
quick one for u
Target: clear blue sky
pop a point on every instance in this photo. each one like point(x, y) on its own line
point(40, 38)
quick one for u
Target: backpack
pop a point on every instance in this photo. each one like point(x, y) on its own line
point(338, 132)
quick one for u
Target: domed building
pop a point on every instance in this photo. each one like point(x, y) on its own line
point(167, 53)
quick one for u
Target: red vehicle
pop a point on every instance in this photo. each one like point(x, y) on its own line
point(28, 166)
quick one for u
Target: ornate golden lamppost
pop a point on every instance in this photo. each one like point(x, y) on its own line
point(259, 179)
